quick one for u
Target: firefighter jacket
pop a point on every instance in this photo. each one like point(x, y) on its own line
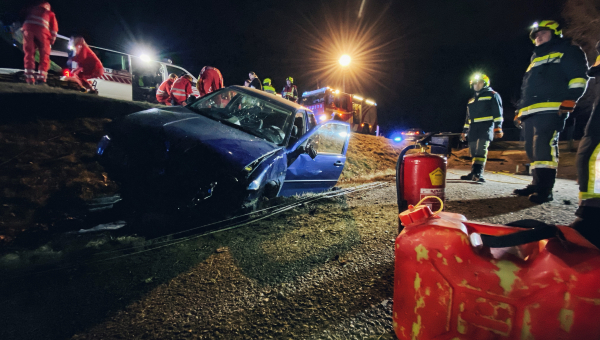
point(39, 18)
point(181, 90)
point(164, 90)
point(557, 73)
point(484, 111)
point(592, 129)
point(270, 89)
point(290, 93)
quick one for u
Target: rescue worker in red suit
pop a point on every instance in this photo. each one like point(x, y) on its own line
point(181, 90)
point(88, 64)
point(209, 80)
point(39, 32)
point(290, 91)
point(163, 93)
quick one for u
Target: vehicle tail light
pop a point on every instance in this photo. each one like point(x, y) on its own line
point(66, 72)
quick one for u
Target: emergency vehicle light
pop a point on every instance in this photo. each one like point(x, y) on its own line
point(398, 139)
point(370, 102)
point(145, 57)
point(358, 98)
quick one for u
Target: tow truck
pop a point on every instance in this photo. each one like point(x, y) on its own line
point(331, 104)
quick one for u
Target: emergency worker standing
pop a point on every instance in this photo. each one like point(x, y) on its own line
point(163, 93)
point(254, 81)
point(181, 90)
point(553, 82)
point(88, 64)
point(482, 125)
point(209, 80)
point(267, 86)
point(587, 222)
point(39, 32)
point(290, 91)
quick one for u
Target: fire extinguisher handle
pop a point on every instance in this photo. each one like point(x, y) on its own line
point(541, 232)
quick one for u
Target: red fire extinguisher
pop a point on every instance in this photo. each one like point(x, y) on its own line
point(420, 175)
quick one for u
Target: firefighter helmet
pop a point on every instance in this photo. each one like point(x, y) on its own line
point(480, 77)
point(290, 79)
point(267, 81)
point(549, 25)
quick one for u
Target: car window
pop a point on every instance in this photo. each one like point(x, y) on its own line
point(330, 138)
point(246, 112)
point(112, 60)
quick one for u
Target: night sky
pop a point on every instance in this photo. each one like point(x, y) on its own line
point(414, 58)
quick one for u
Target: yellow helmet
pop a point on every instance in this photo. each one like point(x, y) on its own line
point(549, 25)
point(480, 77)
point(267, 81)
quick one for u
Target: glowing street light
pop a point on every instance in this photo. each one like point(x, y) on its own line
point(345, 60)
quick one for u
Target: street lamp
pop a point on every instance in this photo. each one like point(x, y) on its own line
point(344, 61)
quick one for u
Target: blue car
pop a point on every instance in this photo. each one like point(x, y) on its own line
point(226, 151)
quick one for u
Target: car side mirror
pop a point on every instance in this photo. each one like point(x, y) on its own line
point(310, 150)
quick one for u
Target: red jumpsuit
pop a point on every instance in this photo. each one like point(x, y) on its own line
point(163, 93)
point(88, 64)
point(181, 90)
point(39, 32)
point(209, 80)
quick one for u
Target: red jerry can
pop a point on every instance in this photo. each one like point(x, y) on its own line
point(456, 279)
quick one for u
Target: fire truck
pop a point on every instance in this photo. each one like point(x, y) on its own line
point(328, 104)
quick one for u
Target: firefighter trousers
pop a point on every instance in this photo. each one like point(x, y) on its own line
point(479, 150)
point(588, 169)
point(541, 144)
point(40, 40)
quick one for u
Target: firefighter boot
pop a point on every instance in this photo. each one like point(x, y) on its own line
point(587, 224)
point(478, 173)
point(468, 177)
point(531, 188)
point(544, 178)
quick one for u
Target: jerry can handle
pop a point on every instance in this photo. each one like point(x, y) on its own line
point(539, 231)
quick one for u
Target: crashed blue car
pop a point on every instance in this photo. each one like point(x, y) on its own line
point(229, 150)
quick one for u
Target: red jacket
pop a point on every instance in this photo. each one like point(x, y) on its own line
point(164, 90)
point(181, 90)
point(209, 80)
point(40, 18)
point(86, 59)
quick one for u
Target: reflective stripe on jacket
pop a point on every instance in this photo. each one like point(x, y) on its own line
point(557, 72)
point(270, 89)
point(181, 90)
point(40, 17)
point(485, 107)
point(290, 93)
point(164, 90)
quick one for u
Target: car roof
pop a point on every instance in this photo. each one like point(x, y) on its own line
point(268, 96)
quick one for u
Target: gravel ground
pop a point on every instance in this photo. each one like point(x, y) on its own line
point(322, 271)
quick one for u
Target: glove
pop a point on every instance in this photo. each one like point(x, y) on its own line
point(567, 106)
point(463, 137)
point(498, 133)
point(517, 121)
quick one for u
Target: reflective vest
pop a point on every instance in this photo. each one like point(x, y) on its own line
point(290, 93)
point(181, 90)
point(270, 89)
point(164, 90)
point(40, 17)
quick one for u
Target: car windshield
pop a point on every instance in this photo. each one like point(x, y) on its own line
point(246, 112)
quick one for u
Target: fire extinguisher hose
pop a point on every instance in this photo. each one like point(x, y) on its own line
point(427, 197)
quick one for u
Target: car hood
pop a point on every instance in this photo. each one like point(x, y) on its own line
point(186, 131)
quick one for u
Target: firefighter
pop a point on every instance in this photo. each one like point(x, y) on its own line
point(163, 93)
point(267, 86)
point(588, 173)
point(290, 91)
point(209, 80)
point(181, 90)
point(482, 125)
point(39, 32)
point(554, 81)
point(88, 64)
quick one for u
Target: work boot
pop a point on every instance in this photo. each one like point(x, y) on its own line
point(468, 177)
point(478, 173)
point(479, 179)
point(542, 195)
point(587, 224)
point(528, 190)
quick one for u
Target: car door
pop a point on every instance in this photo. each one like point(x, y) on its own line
point(305, 174)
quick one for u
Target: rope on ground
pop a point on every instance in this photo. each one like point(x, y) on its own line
point(487, 179)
